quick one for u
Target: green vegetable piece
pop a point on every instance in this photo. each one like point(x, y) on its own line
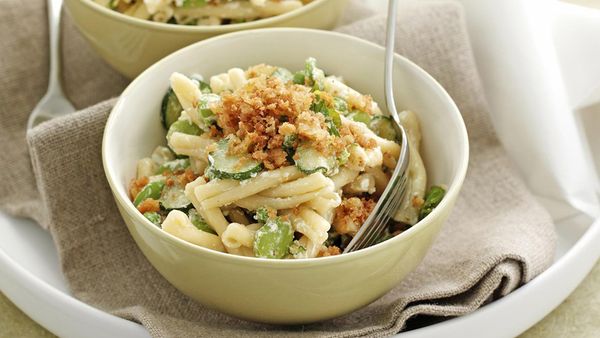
point(273, 239)
point(296, 248)
point(314, 75)
point(184, 126)
point(343, 157)
point(433, 197)
point(309, 161)
point(153, 217)
point(151, 190)
point(170, 109)
point(173, 197)
point(263, 214)
point(113, 4)
point(174, 166)
point(204, 87)
point(289, 146)
point(229, 166)
point(199, 222)
point(193, 3)
point(204, 112)
point(340, 105)
point(332, 116)
point(384, 127)
point(299, 77)
point(360, 116)
point(283, 75)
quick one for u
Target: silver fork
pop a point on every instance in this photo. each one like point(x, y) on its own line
point(54, 103)
point(395, 192)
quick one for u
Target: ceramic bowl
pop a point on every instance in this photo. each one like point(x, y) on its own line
point(286, 291)
point(131, 45)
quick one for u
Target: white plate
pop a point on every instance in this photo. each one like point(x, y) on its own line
point(31, 278)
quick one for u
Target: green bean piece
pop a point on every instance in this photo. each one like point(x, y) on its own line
point(151, 190)
point(360, 116)
point(199, 222)
point(432, 199)
point(299, 77)
point(153, 217)
point(185, 127)
point(174, 166)
point(273, 239)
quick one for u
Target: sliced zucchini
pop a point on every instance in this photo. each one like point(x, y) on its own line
point(184, 126)
point(227, 166)
point(199, 222)
point(283, 75)
point(151, 190)
point(360, 116)
point(174, 166)
point(170, 109)
point(173, 197)
point(384, 127)
point(309, 161)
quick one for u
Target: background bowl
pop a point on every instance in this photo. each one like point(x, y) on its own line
point(286, 291)
point(131, 45)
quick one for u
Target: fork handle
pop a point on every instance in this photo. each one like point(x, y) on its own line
point(54, 11)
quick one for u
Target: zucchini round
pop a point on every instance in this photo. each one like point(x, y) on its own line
point(224, 165)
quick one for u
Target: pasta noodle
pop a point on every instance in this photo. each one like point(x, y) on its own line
point(266, 163)
point(210, 12)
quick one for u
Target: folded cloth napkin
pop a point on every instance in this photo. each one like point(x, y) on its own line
point(496, 239)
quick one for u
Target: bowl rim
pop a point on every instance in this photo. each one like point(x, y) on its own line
point(162, 26)
point(451, 193)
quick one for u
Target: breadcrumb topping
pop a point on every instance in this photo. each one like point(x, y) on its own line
point(262, 112)
point(329, 251)
point(351, 214)
point(136, 185)
point(149, 205)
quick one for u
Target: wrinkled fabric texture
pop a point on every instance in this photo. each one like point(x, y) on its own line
point(496, 239)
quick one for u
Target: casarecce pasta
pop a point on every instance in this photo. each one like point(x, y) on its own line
point(268, 163)
point(202, 12)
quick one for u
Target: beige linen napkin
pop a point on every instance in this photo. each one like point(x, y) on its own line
point(496, 239)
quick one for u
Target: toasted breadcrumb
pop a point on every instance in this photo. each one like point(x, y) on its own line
point(136, 185)
point(149, 205)
point(329, 251)
point(260, 114)
point(351, 214)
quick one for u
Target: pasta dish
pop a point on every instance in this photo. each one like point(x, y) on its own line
point(268, 163)
point(202, 12)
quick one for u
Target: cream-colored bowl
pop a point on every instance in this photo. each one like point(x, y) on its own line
point(131, 45)
point(286, 291)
